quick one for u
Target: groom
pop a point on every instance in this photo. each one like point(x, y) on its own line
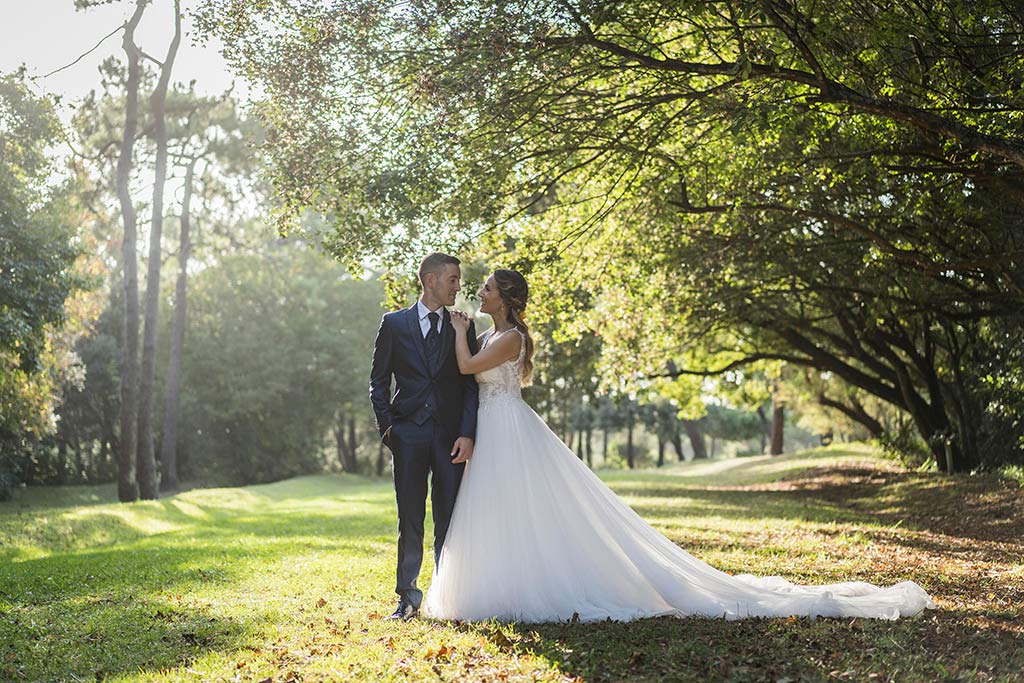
point(430, 423)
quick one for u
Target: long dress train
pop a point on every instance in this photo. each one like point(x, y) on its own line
point(535, 536)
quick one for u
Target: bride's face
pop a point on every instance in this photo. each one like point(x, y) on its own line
point(490, 300)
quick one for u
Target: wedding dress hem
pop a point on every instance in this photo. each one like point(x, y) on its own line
point(536, 536)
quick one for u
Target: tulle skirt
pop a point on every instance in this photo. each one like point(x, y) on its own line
point(536, 536)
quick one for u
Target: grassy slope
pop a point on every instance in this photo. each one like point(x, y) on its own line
point(289, 581)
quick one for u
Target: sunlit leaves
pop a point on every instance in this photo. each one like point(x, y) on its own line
point(38, 250)
point(717, 180)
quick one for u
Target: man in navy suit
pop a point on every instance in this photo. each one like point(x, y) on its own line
point(430, 422)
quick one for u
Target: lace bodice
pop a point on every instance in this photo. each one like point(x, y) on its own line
point(501, 383)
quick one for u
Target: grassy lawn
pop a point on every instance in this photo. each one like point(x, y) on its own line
point(290, 581)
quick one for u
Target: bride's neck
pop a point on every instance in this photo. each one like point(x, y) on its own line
point(501, 325)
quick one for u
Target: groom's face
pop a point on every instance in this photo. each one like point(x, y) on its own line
point(445, 284)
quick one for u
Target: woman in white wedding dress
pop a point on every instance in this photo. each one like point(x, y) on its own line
point(536, 536)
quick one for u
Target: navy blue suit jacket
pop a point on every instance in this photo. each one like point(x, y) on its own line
point(400, 350)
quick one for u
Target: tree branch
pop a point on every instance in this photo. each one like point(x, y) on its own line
point(828, 90)
point(84, 54)
point(678, 372)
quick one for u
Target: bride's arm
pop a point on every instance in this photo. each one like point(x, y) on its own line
point(504, 348)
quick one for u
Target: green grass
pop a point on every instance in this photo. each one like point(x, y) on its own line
point(290, 581)
point(1014, 472)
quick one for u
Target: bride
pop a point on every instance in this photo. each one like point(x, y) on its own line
point(536, 536)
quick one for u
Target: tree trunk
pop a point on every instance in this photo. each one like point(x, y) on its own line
point(855, 412)
point(566, 429)
point(95, 452)
point(101, 460)
point(114, 447)
point(146, 458)
point(677, 442)
point(353, 443)
point(380, 459)
point(172, 396)
point(62, 458)
point(339, 444)
point(778, 418)
point(700, 451)
point(346, 452)
point(590, 447)
point(579, 444)
point(766, 428)
point(967, 418)
point(930, 422)
point(661, 450)
point(929, 419)
point(127, 486)
point(80, 460)
point(604, 444)
point(630, 455)
point(714, 443)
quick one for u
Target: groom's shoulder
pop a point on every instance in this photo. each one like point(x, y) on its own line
point(393, 316)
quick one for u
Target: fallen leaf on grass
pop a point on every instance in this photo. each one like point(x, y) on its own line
point(443, 652)
point(499, 638)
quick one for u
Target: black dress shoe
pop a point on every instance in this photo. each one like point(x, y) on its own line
point(405, 611)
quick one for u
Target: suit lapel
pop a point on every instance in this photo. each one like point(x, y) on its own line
point(413, 321)
point(447, 337)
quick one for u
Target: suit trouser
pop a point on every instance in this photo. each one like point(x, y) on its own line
point(418, 450)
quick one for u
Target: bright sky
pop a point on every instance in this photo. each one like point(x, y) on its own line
point(45, 35)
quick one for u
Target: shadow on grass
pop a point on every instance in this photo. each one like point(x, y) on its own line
point(929, 647)
point(105, 599)
point(136, 588)
point(96, 637)
point(687, 501)
point(978, 508)
point(954, 517)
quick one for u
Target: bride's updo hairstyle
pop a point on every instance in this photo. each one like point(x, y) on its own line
point(513, 292)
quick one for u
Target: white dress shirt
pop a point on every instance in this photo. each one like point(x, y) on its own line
point(425, 321)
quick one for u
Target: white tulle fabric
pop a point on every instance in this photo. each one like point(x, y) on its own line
point(536, 536)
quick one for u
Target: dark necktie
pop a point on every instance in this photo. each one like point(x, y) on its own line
point(433, 335)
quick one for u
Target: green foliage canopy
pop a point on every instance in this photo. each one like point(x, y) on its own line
point(831, 185)
point(277, 343)
point(38, 250)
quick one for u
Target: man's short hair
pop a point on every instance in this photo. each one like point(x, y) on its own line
point(435, 263)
